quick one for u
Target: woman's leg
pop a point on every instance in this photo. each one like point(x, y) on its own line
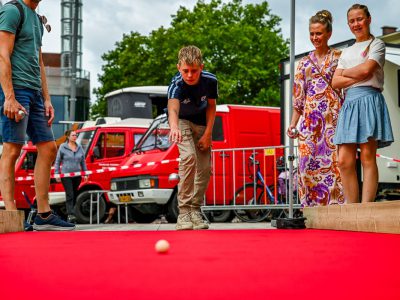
point(76, 181)
point(370, 170)
point(69, 194)
point(347, 167)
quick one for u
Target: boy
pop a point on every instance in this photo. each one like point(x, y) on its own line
point(192, 98)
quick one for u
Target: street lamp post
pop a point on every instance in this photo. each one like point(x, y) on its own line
point(74, 51)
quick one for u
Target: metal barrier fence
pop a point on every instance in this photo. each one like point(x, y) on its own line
point(251, 182)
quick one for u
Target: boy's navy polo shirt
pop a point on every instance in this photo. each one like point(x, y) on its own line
point(193, 98)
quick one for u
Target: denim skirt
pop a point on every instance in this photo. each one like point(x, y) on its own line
point(363, 116)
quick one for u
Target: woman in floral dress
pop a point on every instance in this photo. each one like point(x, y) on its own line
point(316, 105)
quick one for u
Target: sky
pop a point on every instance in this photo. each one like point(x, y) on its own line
point(105, 22)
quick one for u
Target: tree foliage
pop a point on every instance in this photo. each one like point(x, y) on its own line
point(241, 44)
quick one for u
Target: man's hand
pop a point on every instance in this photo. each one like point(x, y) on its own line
point(49, 112)
point(11, 109)
point(204, 143)
point(175, 135)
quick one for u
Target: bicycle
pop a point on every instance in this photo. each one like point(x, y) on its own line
point(257, 193)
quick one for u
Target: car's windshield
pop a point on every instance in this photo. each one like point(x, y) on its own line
point(84, 138)
point(156, 136)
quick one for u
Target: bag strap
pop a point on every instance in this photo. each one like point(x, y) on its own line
point(324, 78)
point(21, 16)
point(366, 51)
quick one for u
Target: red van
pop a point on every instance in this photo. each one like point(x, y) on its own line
point(145, 184)
point(105, 145)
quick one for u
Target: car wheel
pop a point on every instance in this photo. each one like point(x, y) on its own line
point(82, 208)
point(172, 209)
point(221, 216)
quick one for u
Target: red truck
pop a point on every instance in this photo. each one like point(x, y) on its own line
point(145, 182)
point(105, 145)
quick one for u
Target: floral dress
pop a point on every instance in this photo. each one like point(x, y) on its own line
point(318, 105)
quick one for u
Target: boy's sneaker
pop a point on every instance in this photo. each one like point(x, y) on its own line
point(27, 226)
point(198, 221)
point(51, 223)
point(184, 222)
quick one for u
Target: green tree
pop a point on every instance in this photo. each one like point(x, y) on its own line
point(241, 44)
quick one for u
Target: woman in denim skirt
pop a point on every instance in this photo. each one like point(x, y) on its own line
point(364, 118)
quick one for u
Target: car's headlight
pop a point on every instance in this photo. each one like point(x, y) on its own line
point(146, 183)
point(113, 186)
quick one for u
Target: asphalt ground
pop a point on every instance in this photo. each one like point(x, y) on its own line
point(158, 226)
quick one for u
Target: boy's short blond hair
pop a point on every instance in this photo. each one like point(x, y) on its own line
point(190, 55)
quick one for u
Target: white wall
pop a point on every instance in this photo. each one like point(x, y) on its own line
point(388, 171)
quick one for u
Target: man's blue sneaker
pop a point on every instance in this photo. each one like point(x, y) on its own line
point(27, 226)
point(51, 223)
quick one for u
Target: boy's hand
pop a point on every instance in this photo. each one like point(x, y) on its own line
point(175, 135)
point(204, 143)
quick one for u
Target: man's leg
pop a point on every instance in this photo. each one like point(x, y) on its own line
point(10, 154)
point(46, 155)
point(46, 220)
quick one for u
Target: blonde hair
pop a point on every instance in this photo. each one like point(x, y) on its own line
point(190, 55)
point(323, 17)
point(364, 8)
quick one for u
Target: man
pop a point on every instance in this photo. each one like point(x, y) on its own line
point(192, 98)
point(26, 108)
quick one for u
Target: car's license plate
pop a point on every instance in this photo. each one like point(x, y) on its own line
point(125, 198)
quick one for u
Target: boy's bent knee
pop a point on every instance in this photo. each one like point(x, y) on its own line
point(189, 160)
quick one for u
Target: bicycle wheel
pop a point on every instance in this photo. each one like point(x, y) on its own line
point(246, 195)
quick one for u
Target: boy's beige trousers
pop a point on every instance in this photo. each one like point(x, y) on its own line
point(194, 168)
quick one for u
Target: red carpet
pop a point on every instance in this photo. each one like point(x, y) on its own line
point(248, 264)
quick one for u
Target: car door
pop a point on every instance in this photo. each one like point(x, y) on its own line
point(220, 190)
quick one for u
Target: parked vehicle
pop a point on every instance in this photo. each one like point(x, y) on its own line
point(105, 145)
point(146, 183)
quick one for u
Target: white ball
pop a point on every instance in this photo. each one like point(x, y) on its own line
point(162, 246)
point(21, 113)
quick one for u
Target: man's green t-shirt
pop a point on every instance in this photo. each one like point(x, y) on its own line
point(25, 57)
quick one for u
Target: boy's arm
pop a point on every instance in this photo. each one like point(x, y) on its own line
point(206, 140)
point(175, 134)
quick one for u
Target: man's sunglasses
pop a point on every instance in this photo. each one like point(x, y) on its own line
point(43, 19)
